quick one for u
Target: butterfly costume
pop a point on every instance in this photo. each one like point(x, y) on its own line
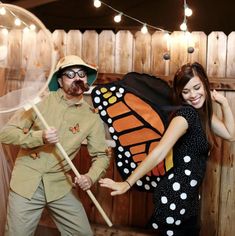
point(137, 110)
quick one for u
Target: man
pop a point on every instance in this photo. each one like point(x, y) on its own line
point(40, 177)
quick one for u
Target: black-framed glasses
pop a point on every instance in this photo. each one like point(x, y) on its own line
point(71, 73)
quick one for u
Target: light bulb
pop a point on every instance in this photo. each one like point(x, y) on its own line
point(2, 11)
point(32, 27)
point(26, 30)
point(5, 31)
point(144, 29)
point(97, 3)
point(188, 11)
point(17, 22)
point(118, 18)
point(183, 26)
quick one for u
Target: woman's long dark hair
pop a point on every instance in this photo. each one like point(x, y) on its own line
point(182, 77)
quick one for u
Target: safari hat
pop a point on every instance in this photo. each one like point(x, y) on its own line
point(72, 60)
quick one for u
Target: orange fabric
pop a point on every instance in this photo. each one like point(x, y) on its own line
point(138, 149)
point(138, 136)
point(145, 111)
point(117, 109)
point(126, 123)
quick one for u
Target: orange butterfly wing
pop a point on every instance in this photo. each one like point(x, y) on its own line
point(136, 127)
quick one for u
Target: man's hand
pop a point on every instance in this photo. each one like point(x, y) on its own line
point(84, 182)
point(50, 136)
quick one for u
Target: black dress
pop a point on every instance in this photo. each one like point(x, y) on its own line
point(176, 198)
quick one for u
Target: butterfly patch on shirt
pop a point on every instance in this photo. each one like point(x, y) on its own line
point(94, 110)
point(25, 130)
point(74, 129)
point(34, 155)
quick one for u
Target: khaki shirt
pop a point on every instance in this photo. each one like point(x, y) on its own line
point(76, 122)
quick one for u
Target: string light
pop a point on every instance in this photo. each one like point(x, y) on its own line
point(2, 11)
point(187, 12)
point(32, 27)
point(144, 29)
point(119, 15)
point(118, 18)
point(17, 21)
point(97, 3)
point(184, 26)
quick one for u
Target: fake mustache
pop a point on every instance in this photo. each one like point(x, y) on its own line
point(80, 84)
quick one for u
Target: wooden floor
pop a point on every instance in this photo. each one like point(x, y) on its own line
point(99, 231)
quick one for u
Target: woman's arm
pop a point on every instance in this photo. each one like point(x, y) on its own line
point(223, 128)
point(176, 129)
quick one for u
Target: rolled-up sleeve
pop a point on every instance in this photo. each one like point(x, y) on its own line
point(18, 131)
point(97, 149)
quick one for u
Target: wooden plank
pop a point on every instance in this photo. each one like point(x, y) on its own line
point(44, 50)
point(230, 67)
point(59, 41)
point(199, 43)
point(90, 47)
point(123, 52)
point(227, 190)
point(211, 188)
point(15, 49)
point(29, 40)
point(138, 208)
point(216, 54)
point(159, 46)
point(106, 51)
point(149, 207)
point(3, 48)
point(142, 52)
point(2, 82)
point(74, 43)
point(178, 51)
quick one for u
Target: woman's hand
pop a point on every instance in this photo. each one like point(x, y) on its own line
point(219, 98)
point(118, 187)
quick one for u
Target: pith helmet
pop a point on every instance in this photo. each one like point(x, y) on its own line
point(72, 60)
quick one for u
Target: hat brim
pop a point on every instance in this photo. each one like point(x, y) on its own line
point(54, 84)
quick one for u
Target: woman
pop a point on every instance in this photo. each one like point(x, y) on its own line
point(191, 135)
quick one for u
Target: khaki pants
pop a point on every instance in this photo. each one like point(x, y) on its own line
point(23, 215)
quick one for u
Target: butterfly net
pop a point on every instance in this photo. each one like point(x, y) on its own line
point(26, 62)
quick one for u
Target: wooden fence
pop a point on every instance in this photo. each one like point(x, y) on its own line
point(119, 53)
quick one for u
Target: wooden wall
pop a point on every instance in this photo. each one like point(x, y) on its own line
point(119, 53)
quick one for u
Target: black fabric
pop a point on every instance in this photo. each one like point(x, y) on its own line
point(154, 90)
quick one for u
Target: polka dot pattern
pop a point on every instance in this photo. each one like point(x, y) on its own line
point(176, 195)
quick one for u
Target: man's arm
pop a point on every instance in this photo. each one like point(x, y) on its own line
point(18, 131)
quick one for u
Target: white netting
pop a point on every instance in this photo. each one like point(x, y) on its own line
point(25, 57)
point(26, 62)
